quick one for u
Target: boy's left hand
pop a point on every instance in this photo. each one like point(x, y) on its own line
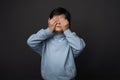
point(64, 24)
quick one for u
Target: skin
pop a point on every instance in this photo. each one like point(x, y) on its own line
point(58, 24)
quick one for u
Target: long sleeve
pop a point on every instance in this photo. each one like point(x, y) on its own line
point(77, 44)
point(36, 41)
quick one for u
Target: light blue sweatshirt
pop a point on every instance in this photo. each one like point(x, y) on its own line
point(57, 53)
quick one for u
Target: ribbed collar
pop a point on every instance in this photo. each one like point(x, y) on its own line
point(58, 36)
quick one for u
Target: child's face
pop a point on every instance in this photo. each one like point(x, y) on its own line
point(58, 27)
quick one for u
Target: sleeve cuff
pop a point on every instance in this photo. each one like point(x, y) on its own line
point(48, 32)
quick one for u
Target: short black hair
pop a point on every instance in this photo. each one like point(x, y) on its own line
point(59, 11)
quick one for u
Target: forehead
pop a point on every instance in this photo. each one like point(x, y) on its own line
point(60, 16)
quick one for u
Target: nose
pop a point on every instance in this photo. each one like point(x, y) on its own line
point(58, 22)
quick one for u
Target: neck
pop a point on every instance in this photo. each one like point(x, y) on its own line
point(58, 32)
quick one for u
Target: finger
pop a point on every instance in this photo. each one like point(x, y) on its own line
point(53, 20)
point(54, 24)
point(66, 21)
point(48, 19)
point(62, 19)
point(56, 18)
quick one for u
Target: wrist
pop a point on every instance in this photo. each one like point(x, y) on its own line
point(50, 29)
point(64, 29)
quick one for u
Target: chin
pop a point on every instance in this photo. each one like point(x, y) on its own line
point(58, 30)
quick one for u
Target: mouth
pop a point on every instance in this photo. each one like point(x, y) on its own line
point(58, 26)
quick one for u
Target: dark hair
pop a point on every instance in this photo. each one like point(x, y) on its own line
point(59, 11)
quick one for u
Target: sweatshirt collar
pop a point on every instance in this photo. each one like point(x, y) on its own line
point(58, 36)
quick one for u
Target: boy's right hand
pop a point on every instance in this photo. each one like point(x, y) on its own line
point(52, 23)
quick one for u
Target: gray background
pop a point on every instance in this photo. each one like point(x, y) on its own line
point(96, 21)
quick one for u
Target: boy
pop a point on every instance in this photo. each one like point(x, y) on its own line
point(57, 46)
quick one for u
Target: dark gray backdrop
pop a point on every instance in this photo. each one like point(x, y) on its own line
point(96, 21)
